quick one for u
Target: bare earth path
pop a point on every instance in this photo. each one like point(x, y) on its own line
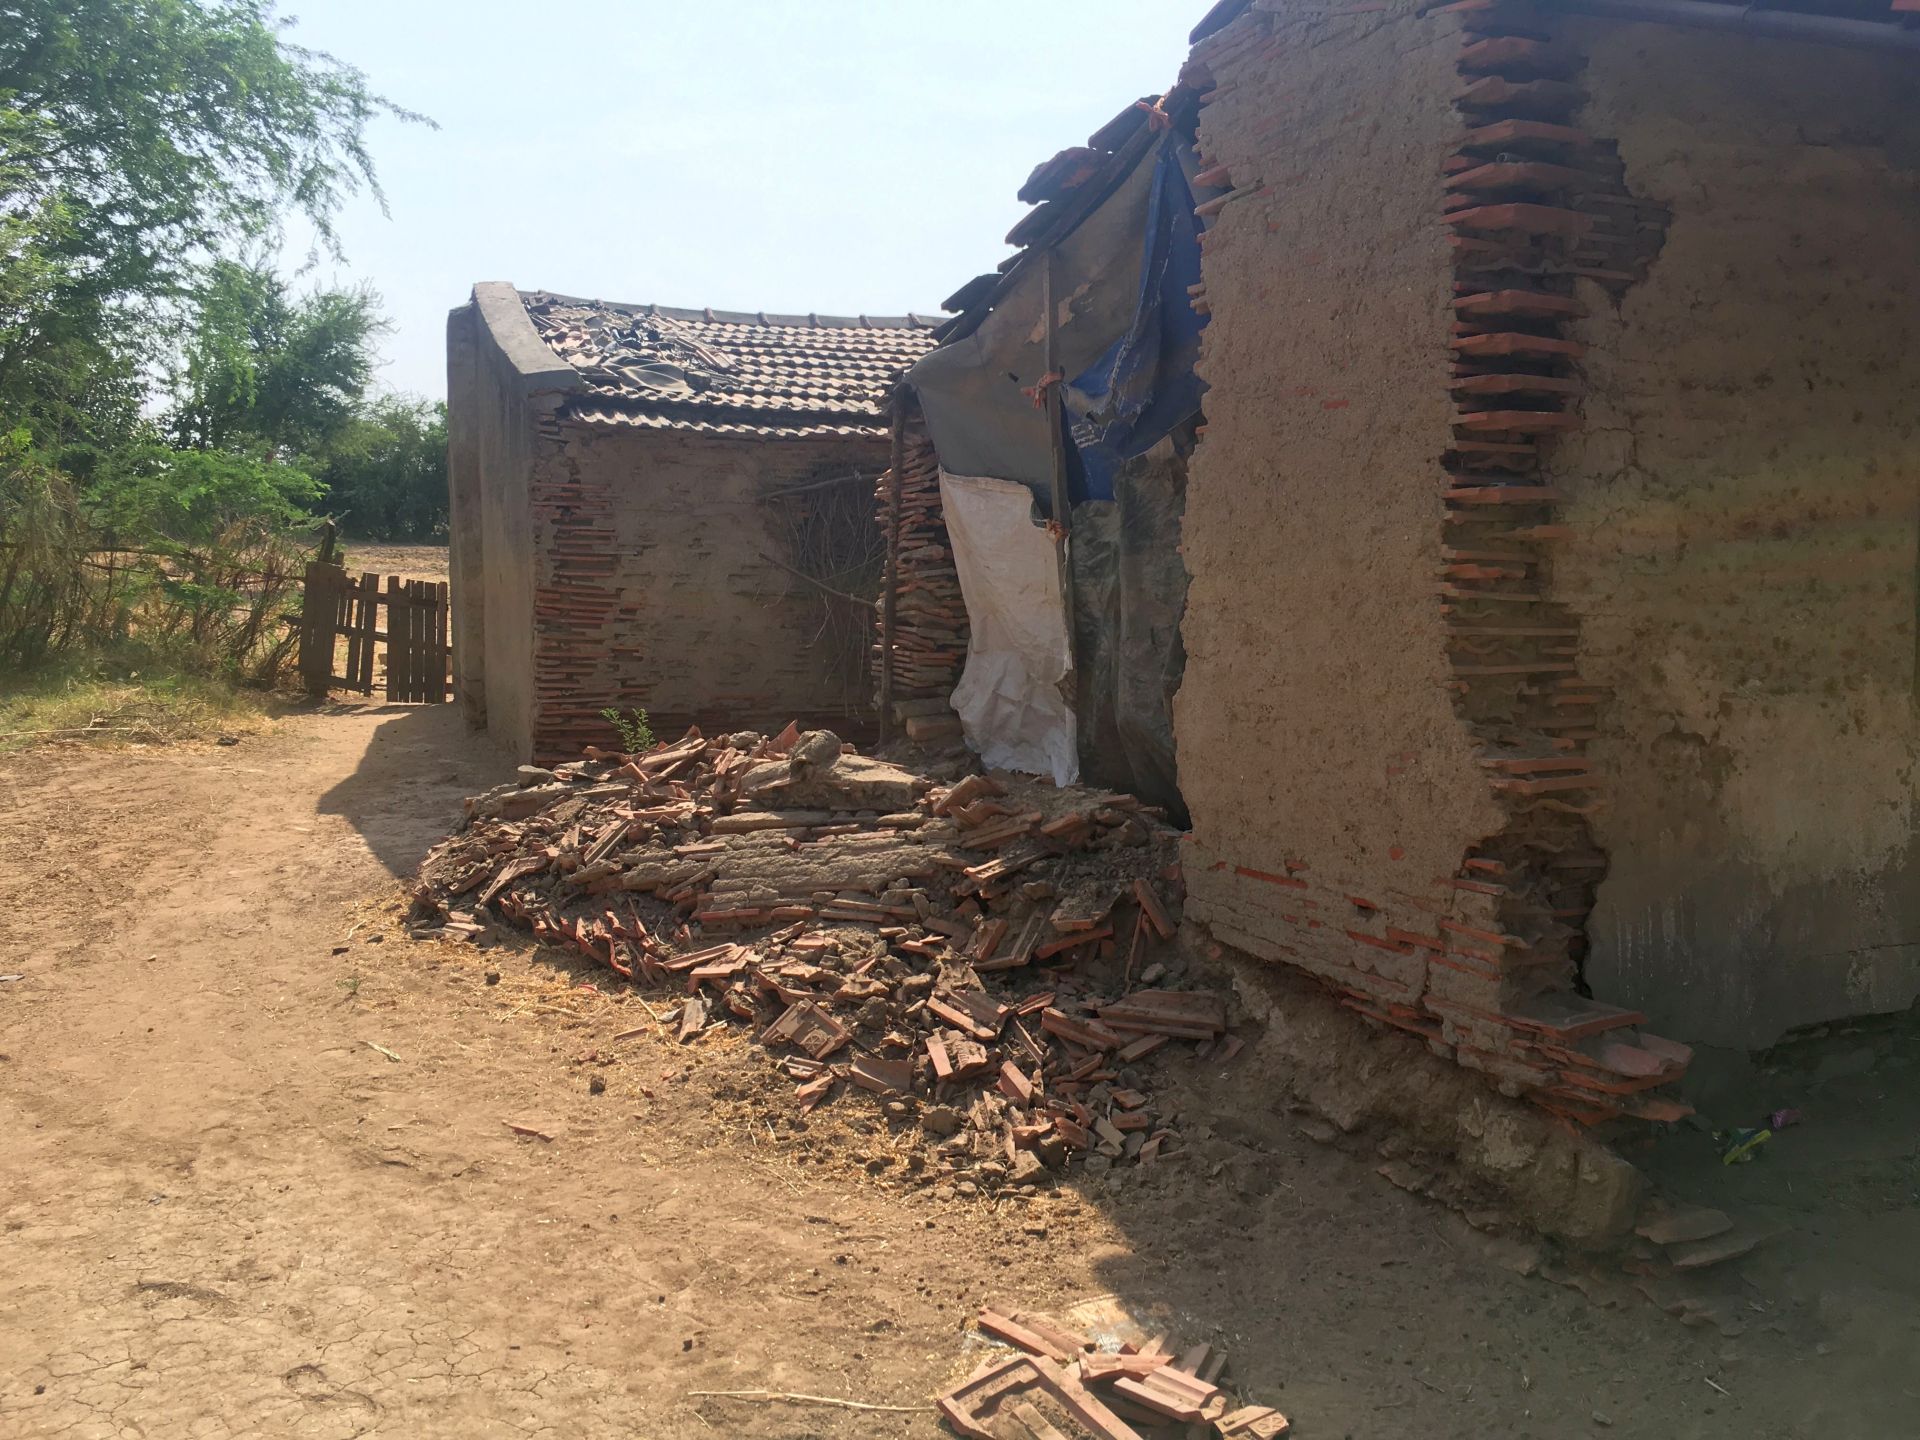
point(224, 1212)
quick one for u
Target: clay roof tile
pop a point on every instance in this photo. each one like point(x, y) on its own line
point(727, 372)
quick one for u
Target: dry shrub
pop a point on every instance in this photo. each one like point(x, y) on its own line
point(220, 606)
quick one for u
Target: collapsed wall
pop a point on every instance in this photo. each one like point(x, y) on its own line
point(1383, 725)
point(1742, 534)
point(671, 576)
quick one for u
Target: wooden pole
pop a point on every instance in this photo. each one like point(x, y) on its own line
point(369, 623)
point(442, 652)
point(318, 605)
point(1057, 440)
point(890, 587)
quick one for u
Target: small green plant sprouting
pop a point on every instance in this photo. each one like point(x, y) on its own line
point(635, 734)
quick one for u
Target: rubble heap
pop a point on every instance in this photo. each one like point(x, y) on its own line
point(984, 951)
point(1059, 1386)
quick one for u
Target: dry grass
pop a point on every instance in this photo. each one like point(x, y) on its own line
point(410, 562)
point(75, 707)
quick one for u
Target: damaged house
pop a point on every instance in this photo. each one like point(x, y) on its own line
point(1515, 579)
point(1460, 459)
point(665, 510)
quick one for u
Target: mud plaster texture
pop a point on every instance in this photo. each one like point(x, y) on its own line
point(1743, 505)
point(705, 628)
point(1319, 750)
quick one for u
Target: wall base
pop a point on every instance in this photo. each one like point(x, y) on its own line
point(1565, 1185)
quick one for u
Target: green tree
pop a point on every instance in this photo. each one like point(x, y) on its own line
point(386, 473)
point(65, 372)
point(137, 138)
point(141, 140)
point(264, 369)
point(157, 495)
point(275, 387)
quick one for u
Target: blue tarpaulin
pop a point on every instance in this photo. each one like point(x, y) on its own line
point(1143, 385)
point(1125, 333)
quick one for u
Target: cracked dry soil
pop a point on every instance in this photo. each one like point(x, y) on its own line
point(223, 1212)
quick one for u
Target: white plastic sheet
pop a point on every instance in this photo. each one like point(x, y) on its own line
point(1009, 698)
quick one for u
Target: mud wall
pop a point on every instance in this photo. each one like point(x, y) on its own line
point(658, 587)
point(1382, 734)
point(1332, 787)
point(1742, 507)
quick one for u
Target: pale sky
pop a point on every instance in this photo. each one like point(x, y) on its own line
point(835, 156)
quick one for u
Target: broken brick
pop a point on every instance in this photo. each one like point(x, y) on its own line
point(809, 1028)
point(1087, 1033)
point(1015, 1085)
point(870, 1072)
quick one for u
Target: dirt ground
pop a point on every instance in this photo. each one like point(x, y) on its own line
point(409, 562)
point(224, 1212)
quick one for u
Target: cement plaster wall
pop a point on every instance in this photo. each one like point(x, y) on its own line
point(1744, 502)
point(466, 558)
point(499, 377)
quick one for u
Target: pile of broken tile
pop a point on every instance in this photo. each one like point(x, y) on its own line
point(982, 951)
point(1059, 1386)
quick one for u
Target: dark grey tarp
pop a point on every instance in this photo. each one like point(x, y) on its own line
point(1131, 358)
point(970, 389)
point(1130, 591)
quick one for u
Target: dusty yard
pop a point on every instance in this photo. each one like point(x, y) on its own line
point(409, 562)
point(224, 1211)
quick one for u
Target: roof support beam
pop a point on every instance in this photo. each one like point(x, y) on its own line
point(1748, 20)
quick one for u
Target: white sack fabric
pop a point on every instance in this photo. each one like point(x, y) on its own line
point(1009, 699)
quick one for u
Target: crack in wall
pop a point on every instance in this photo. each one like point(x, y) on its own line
point(1535, 206)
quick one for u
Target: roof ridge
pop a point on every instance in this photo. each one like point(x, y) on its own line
point(710, 316)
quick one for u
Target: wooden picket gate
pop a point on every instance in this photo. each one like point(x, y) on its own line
point(337, 606)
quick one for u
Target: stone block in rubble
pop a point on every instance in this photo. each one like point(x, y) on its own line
point(869, 863)
point(849, 782)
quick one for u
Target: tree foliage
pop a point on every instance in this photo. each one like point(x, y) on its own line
point(265, 368)
point(386, 473)
point(162, 388)
point(137, 138)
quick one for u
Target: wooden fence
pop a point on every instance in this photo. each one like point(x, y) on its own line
point(339, 607)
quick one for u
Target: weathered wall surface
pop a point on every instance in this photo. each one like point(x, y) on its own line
point(466, 561)
point(1319, 750)
point(492, 442)
point(1743, 507)
point(655, 589)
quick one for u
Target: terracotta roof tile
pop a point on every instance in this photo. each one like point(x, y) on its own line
point(725, 372)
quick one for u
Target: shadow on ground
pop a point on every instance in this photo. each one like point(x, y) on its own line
point(396, 795)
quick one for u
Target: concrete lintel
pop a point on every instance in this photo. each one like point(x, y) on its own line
point(505, 317)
